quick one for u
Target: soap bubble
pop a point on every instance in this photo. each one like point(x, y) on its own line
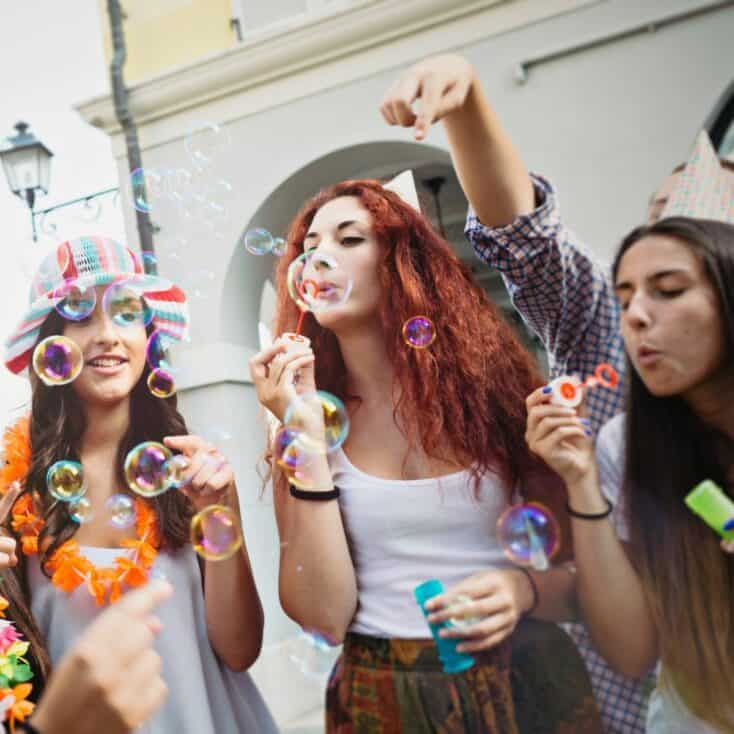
point(295, 455)
point(76, 302)
point(258, 241)
point(146, 469)
point(125, 305)
point(313, 654)
point(215, 533)
point(317, 283)
point(65, 480)
point(158, 351)
point(529, 535)
point(206, 144)
point(147, 188)
point(336, 420)
point(121, 510)
point(279, 246)
point(81, 510)
point(57, 360)
point(419, 332)
point(161, 383)
point(176, 468)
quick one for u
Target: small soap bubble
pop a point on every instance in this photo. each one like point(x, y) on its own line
point(146, 469)
point(176, 468)
point(279, 246)
point(158, 351)
point(215, 533)
point(207, 144)
point(65, 480)
point(147, 188)
point(81, 510)
point(313, 654)
point(258, 241)
point(121, 511)
point(76, 302)
point(529, 535)
point(57, 360)
point(125, 305)
point(161, 383)
point(419, 332)
point(336, 419)
point(317, 283)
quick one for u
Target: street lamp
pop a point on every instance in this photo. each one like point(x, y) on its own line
point(27, 164)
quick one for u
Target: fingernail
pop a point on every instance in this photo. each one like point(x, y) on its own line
point(729, 524)
point(588, 432)
point(547, 390)
point(585, 421)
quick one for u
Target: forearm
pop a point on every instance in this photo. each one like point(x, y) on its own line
point(490, 169)
point(610, 593)
point(234, 614)
point(318, 587)
point(556, 595)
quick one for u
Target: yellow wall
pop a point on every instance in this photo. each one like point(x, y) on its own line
point(162, 34)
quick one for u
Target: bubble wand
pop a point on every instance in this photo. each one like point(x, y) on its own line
point(569, 391)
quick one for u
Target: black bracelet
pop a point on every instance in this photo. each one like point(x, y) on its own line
point(28, 728)
point(321, 496)
point(591, 515)
point(534, 587)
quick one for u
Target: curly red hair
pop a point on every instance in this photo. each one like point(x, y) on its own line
point(462, 399)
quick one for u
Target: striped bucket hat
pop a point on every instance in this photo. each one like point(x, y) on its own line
point(93, 261)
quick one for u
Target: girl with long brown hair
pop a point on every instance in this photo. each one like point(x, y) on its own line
point(71, 566)
point(434, 454)
point(662, 586)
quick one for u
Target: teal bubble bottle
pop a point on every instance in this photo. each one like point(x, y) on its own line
point(451, 660)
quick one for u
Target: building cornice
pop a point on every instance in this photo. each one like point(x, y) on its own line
point(291, 51)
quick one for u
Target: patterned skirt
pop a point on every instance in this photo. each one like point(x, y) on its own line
point(534, 683)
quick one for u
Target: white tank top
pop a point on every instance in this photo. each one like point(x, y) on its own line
point(204, 696)
point(404, 532)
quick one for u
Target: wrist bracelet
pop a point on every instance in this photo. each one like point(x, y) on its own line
point(591, 515)
point(534, 587)
point(28, 728)
point(320, 496)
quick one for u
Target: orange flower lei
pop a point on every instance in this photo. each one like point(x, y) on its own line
point(69, 568)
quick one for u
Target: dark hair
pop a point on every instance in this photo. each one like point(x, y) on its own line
point(56, 429)
point(669, 449)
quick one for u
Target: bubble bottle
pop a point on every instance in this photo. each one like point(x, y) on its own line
point(451, 660)
point(714, 507)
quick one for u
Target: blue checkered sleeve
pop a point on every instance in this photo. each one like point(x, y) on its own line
point(563, 295)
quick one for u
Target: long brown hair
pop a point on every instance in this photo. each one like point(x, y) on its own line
point(57, 426)
point(669, 449)
point(466, 394)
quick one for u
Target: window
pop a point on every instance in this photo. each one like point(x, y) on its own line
point(256, 17)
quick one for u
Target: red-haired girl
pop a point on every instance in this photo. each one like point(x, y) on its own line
point(434, 454)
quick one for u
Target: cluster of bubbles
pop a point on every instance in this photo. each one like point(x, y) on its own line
point(65, 482)
point(529, 535)
point(314, 423)
point(192, 193)
point(150, 469)
point(259, 241)
point(57, 360)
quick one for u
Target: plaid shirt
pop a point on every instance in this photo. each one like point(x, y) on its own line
point(567, 299)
